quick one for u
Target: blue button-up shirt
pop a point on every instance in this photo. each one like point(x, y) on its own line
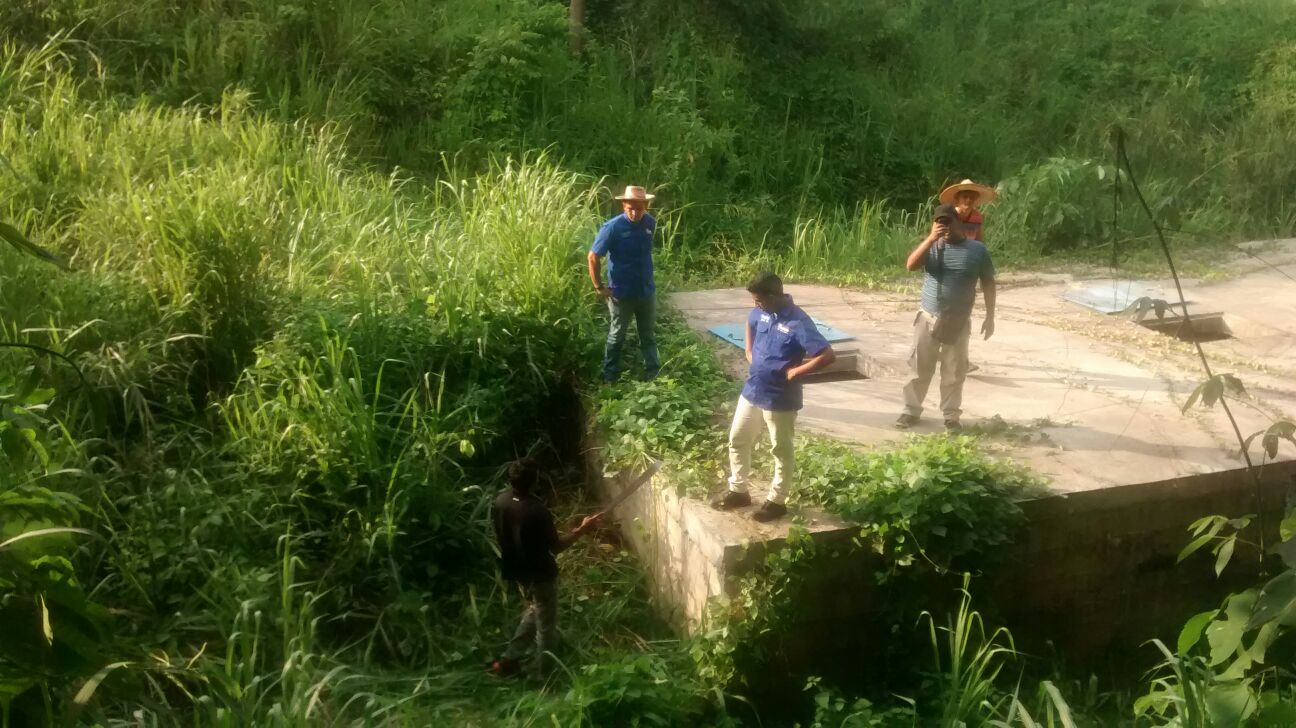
point(780, 341)
point(628, 247)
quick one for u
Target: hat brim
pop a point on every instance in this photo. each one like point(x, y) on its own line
point(985, 194)
point(645, 198)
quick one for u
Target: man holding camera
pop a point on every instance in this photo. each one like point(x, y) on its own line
point(952, 265)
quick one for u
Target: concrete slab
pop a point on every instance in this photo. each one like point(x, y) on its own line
point(1100, 395)
point(1089, 401)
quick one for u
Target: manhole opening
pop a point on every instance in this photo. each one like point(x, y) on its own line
point(1199, 327)
point(840, 376)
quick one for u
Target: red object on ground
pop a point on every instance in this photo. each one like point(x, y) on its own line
point(504, 667)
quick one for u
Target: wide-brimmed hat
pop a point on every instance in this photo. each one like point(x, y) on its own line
point(984, 194)
point(635, 193)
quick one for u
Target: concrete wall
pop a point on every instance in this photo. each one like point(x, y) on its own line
point(1097, 571)
point(1094, 572)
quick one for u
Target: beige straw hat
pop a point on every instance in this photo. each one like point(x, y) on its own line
point(984, 194)
point(635, 193)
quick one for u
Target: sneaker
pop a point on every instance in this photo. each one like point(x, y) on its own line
point(729, 500)
point(953, 426)
point(769, 512)
point(906, 421)
point(505, 667)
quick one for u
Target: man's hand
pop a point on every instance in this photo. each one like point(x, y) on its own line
point(987, 327)
point(571, 537)
point(588, 523)
point(603, 292)
point(938, 231)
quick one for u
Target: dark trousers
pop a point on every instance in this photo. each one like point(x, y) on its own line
point(644, 312)
point(539, 625)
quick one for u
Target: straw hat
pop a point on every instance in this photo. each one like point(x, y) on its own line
point(984, 194)
point(635, 193)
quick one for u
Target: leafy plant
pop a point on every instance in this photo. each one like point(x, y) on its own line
point(734, 630)
point(936, 500)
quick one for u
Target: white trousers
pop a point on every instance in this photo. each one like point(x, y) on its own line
point(742, 438)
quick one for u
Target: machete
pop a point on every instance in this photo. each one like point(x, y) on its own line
point(653, 466)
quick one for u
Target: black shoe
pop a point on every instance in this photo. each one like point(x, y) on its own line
point(729, 500)
point(953, 426)
point(769, 512)
point(906, 421)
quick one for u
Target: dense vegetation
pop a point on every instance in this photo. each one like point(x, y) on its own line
point(324, 277)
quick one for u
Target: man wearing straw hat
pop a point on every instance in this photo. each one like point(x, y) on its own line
point(966, 197)
point(626, 240)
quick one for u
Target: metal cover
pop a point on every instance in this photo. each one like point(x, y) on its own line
point(735, 333)
point(1116, 296)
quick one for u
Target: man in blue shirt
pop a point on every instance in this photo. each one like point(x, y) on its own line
point(626, 240)
point(952, 265)
point(783, 345)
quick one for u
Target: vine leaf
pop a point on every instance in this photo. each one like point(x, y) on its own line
point(1192, 630)
point(1280, 430)
point(1213, 390)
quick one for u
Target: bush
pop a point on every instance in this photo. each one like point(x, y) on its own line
point(936, 499)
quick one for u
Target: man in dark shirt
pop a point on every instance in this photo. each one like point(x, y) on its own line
point(528, 541)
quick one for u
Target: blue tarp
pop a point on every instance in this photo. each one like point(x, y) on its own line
point(733, 333)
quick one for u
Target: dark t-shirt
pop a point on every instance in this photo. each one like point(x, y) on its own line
point(527, 537)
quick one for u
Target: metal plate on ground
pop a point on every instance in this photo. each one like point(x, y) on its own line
point(1116, 296)
point(735, 333)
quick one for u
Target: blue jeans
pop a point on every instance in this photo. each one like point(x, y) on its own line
point(644, 311)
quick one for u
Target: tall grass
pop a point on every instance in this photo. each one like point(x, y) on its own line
point(761, 119)
point(301, 376)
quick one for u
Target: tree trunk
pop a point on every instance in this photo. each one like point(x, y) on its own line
point(576, 26)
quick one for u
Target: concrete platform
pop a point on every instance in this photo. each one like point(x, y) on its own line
point(1091, 402)
point(1086, 400)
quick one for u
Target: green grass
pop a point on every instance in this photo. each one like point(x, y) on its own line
point(327, 274)
point(301, 375)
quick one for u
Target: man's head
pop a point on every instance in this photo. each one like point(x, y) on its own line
point(523, 474)
point(634, 202)
point(946, 215)
point(966, 198)
point(766, 290)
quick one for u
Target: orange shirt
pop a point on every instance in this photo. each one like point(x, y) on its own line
point(972, 222)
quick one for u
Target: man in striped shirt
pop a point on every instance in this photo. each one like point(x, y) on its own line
point(952, 266)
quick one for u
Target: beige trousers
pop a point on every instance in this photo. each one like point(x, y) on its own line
point(926, 354)
point(743, 434)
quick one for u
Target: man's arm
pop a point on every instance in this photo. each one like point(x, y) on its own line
point(919, 254)
point(594, 261)
point(565, 541)
point(751, 334)
point(988, 292)
point(825, 357)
